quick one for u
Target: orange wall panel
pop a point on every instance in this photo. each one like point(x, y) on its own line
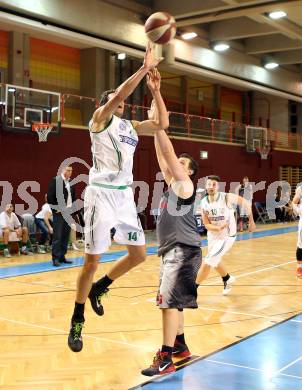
point(54, 66)
point(3, 49)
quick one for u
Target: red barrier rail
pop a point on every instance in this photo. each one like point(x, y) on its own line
point(76, 110)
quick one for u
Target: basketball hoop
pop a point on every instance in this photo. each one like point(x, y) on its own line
point(42, 129)
point(263, 152)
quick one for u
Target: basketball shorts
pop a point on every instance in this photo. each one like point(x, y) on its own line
point(105, 209)
point(178, 272)
point(217, 248)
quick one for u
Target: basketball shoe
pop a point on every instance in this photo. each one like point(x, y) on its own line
point(180, 350)
point(227, 286)
point(95, 297)
point(162, 364)
point(75, 341)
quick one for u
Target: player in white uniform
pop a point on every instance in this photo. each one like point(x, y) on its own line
point(217, 210)
point(109, 201)
point(297, 206)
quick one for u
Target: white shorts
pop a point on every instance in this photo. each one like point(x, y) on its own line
point(12, 236)
point(299, 242)
point(217, 248)
point(106, 209)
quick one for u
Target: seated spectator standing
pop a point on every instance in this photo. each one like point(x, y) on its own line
point(43, 222)
point(10, 226)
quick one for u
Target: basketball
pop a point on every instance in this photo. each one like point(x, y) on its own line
point(160, 27)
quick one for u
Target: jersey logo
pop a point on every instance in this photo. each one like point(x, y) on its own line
point(128, 140)
point(122, 126)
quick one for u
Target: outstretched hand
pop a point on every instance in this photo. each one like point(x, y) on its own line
point(153, 80)
point(149, 61)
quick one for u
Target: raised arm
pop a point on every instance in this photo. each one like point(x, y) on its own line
point(162, 162)
point(103, 114)
point(161, 120)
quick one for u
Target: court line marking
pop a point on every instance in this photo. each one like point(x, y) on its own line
point(65, 333)
point(253, 369)
point(234, 365)
point(288, 365)
point(240, 313)
point(255, 272)
point(270, 317)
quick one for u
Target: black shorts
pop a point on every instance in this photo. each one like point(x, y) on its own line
point(178, 272)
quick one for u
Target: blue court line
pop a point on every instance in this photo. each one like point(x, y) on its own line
point(252, 363)
point(32, 268)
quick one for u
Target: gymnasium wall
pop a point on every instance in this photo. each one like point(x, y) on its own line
point(54, 67)
point(4, 49)
point(23, 158)
point(231, 102)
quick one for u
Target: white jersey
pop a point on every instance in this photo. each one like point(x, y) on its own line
point(112, 153)
point(218, 212)
point(10, 222)
point(45, 209)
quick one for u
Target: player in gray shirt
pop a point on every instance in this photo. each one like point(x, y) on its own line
point(179, 247)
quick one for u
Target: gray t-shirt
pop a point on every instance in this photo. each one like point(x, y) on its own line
point(176, 223)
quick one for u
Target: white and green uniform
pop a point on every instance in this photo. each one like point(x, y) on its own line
point(218, 212)
point(109, 201)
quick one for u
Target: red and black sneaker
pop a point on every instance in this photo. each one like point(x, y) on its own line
point(180, 350)
point(162, 364)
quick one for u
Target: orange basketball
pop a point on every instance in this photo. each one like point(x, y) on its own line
point(160, 27)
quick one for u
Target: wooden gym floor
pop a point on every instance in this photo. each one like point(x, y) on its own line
point(35, 311)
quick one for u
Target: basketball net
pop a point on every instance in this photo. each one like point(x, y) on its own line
point(264, 152)
point(42, 129)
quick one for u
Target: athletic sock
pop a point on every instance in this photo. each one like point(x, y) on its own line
point(299, 265)
point(181, 338)
point(78, 313)
point(103, 283)
point(225, 278)
point(168, 350)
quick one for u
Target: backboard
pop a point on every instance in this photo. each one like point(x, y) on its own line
point(24, 106)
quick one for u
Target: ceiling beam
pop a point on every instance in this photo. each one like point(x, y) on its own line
point(187, 8)
point(289, 57)
point(270, 44)
point(285, 26)
point(235, 11)
point(238, 28)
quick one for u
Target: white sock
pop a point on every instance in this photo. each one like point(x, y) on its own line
point(23, 247)
point(299, 265)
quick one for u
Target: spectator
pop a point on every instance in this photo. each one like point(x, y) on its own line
point(282, 212)
point(61, 196)
point(43, 222)
point(245, 190)
point(10, 226)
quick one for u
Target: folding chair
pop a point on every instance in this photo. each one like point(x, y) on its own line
point(262, 215)
point(28, 220)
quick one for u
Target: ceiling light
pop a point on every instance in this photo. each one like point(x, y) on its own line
point(189, 35)
point(277, 14)
point(221, 47)
point(271, 65)
point(121, 56)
